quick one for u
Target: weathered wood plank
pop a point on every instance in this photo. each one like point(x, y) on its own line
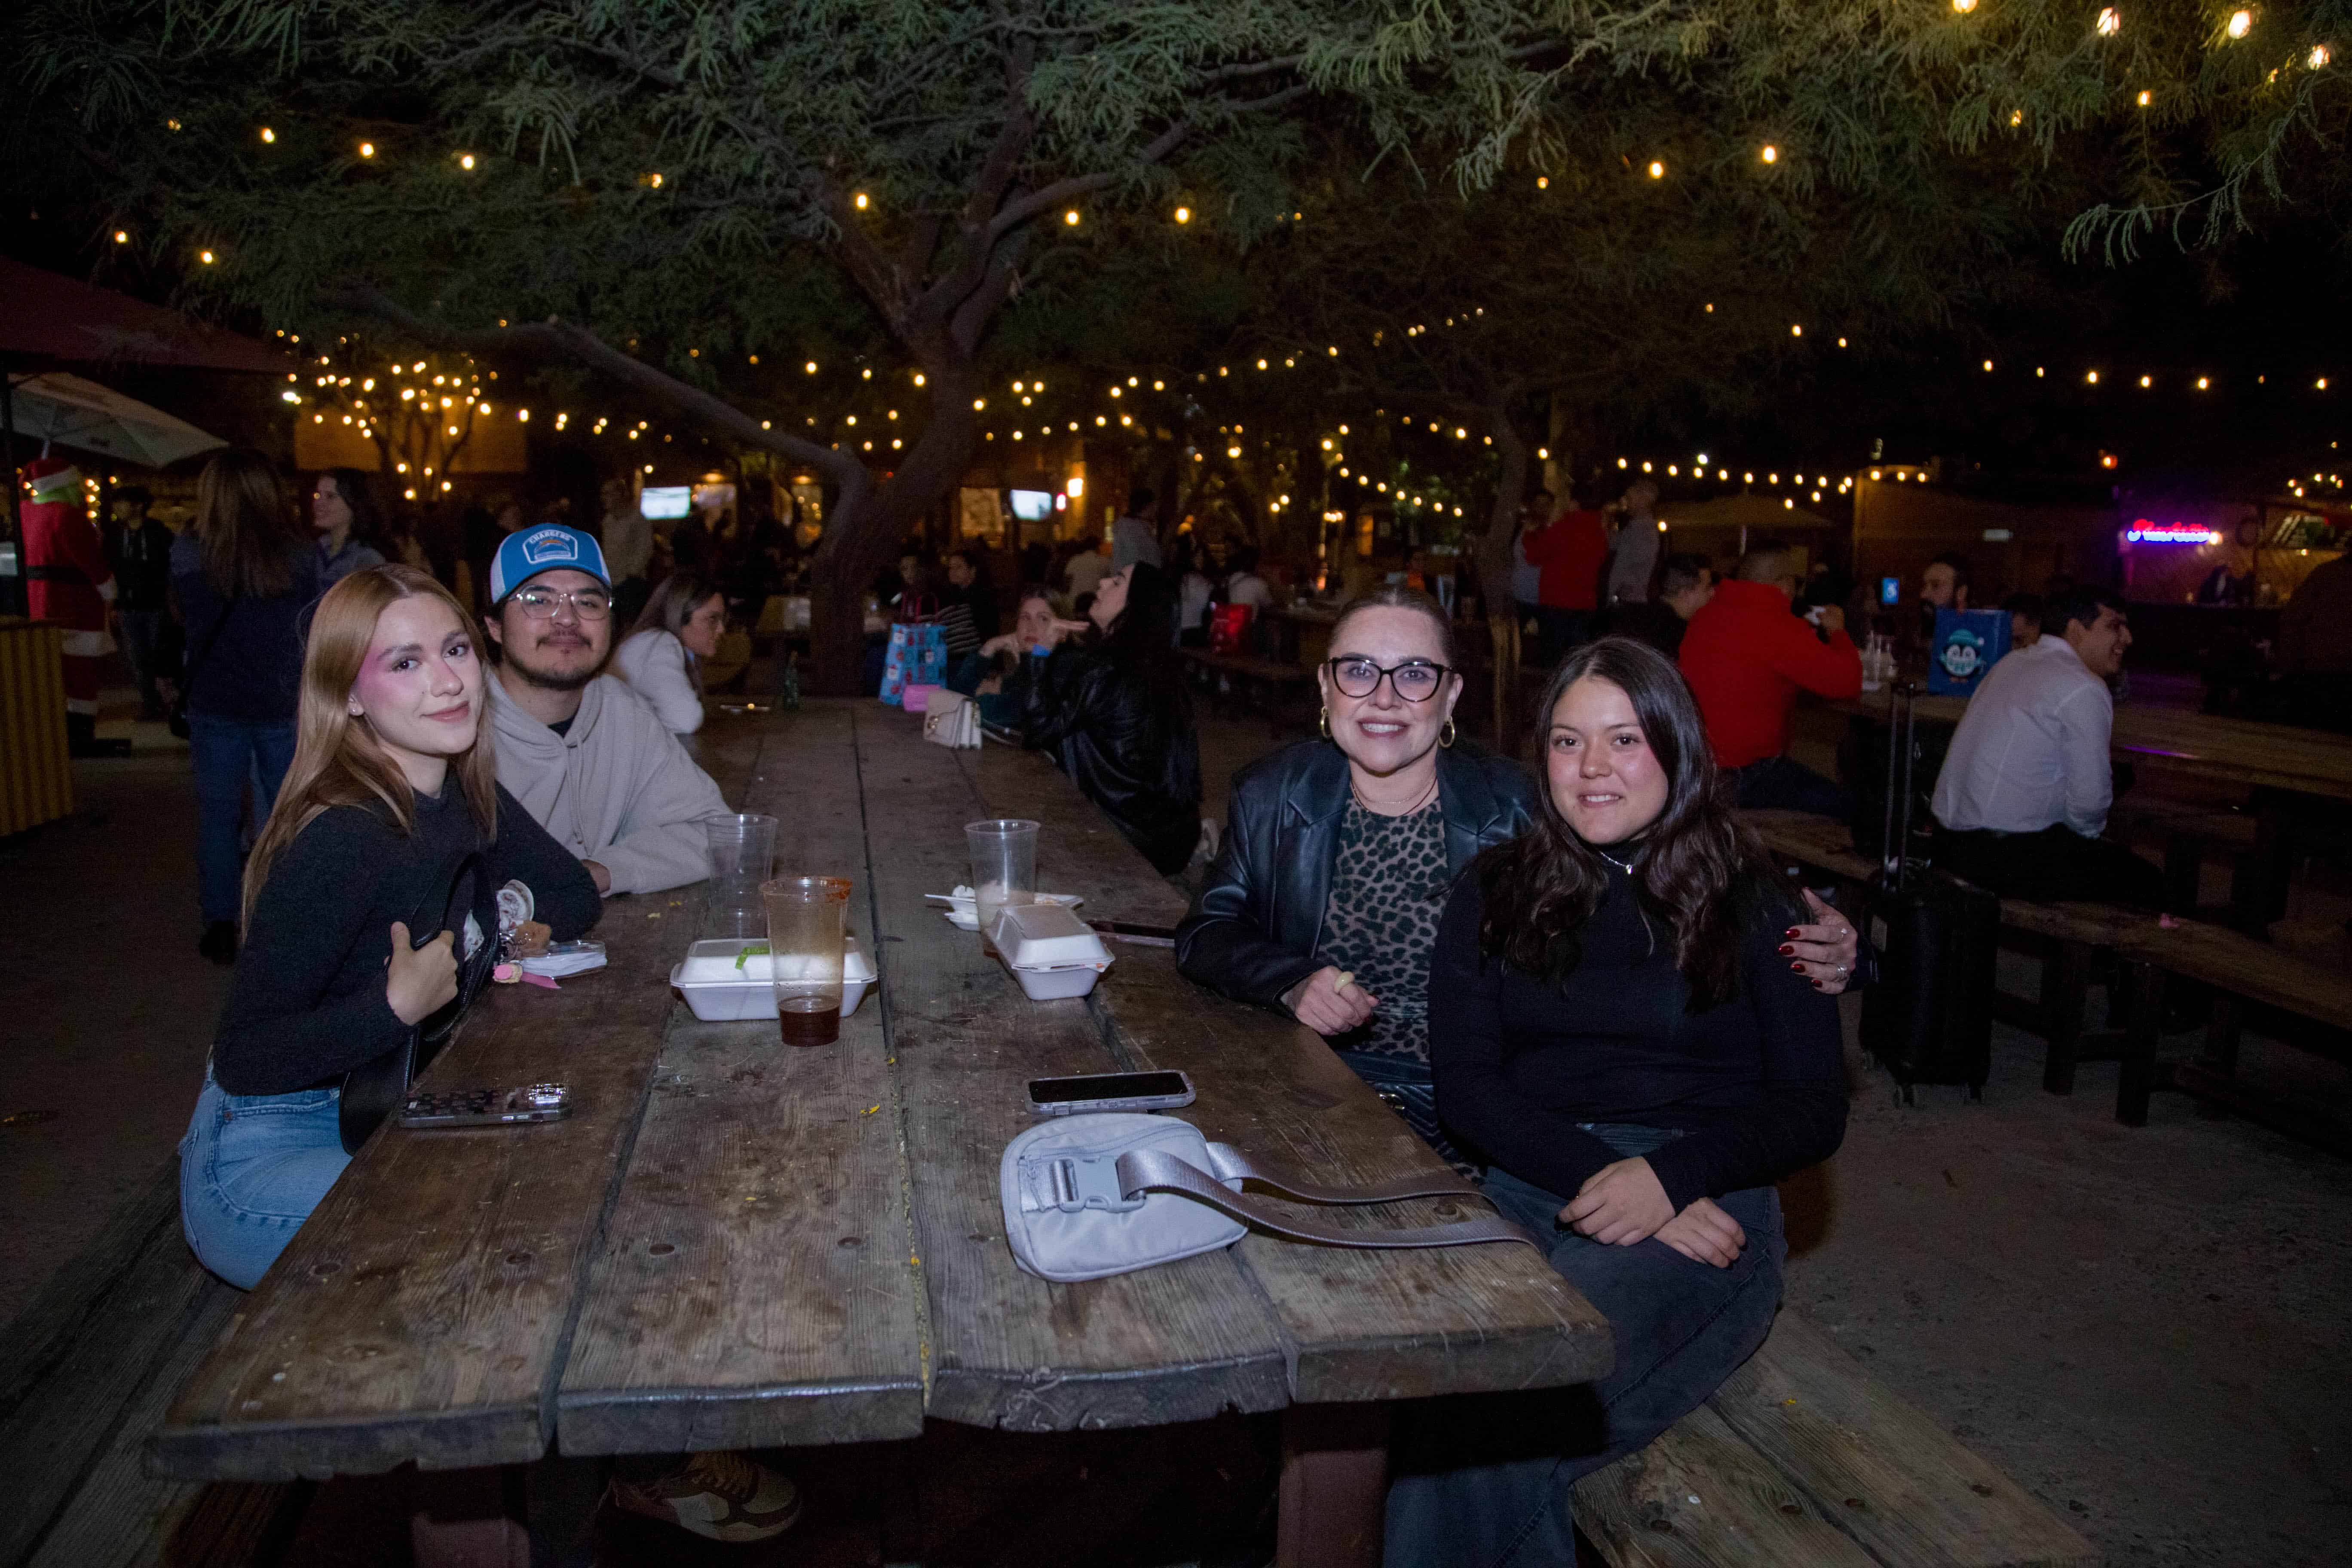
point(755, 1288)
point(89, 1345)
point(124, 1516)
point(423, 1311)
point(1168, 1345)
point(1875, 1463)
point(1356, 1326)
point(1700, 1498)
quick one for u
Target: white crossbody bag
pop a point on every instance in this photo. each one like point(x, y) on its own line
point(1092, 1195)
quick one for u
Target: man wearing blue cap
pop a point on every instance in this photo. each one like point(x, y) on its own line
point(586, 756)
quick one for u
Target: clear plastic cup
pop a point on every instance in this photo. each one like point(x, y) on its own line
point(1003, 867)
point(742, 851)
point(807, 921)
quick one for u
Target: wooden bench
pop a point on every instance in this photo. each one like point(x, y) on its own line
point(1262, 684)
point(2238, 967)
point(1803, 1459)
point(84, 1374)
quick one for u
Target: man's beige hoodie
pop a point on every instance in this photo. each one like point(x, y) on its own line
point(616, 787)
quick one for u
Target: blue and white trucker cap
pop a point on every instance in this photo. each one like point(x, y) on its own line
point(527, 552)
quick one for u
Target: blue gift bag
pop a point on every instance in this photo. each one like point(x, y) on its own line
point(1968, 643)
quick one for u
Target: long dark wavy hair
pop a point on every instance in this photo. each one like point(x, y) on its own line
point(1697, 872)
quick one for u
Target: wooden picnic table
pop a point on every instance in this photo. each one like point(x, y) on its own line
point(2196, 745)
point(732, 1243)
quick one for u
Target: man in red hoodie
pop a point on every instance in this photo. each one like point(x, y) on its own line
point(1746, 658)
point(1571, 551)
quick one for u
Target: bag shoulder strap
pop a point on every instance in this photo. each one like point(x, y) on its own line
point(1156, 1170)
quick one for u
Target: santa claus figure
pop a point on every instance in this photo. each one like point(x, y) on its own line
point(70, 585)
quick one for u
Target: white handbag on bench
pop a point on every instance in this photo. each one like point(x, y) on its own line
point(951, 718)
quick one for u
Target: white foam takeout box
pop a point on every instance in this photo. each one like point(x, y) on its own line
point(1049, 950)
point(734, 977)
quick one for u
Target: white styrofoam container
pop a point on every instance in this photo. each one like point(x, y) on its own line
point(722, 984)
point(1057, 980)
point(1046, 936)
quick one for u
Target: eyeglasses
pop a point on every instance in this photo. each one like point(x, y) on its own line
point(1416, 680)
point(588, 604)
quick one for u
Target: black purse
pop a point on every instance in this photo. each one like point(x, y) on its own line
point(376, 1089)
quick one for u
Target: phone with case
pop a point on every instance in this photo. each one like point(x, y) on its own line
point(488, 1107)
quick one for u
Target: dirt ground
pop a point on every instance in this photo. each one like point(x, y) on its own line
point(2152, 1328)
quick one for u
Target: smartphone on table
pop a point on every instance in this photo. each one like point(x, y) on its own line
point(1109, 1091)
point(488, 1107)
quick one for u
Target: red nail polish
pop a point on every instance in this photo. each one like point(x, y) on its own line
point(1798, 968)
point(1817, 985)
point(1791, 931)
point(1786, 950)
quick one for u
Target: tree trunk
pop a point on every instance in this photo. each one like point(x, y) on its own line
point(869, 523)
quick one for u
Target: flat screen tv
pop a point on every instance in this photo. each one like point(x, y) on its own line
point(665, 501)
point(1033, 506)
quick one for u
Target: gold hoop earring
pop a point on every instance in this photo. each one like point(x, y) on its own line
point(1446, 735)
point(1323, 722)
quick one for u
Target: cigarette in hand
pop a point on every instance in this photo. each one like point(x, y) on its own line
point(1347, 978)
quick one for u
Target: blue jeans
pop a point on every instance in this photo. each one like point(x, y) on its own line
point(252, 1167)
point(224, 752)
point(1482, 1480)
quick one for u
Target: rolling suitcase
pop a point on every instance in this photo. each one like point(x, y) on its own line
point(1928, 1018)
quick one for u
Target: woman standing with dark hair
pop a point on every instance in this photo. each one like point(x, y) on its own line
point(1627, 1043)
point(1114, 711)
point(241, 576)
point(350, 526)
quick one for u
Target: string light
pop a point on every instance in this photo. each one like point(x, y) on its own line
point(1964, 6)
point(1071, 217)
point(860, 199)
point(1770, 155)
point(2111, 22)
point(1657, 170)
point(465, 161)
point(2241, 24)
point(1183, 214)
point(367, 149)
point(122, 236)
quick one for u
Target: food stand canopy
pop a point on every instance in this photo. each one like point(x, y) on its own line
point(46, 317)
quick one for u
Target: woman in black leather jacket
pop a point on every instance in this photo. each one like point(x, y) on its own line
point(1114, 711)
point(1339, 854)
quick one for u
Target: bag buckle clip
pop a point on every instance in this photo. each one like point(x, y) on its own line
point(1072, 1182)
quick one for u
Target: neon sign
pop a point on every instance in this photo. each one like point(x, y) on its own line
point(2142, 531)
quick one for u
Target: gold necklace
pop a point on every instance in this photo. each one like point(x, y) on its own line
point(1408, 811)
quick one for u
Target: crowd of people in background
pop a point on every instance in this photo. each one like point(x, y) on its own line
point(1639, 1041)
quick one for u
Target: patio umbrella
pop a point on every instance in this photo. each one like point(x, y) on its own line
point(88, 417)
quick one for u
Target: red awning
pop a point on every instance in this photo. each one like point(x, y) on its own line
point(45, 316)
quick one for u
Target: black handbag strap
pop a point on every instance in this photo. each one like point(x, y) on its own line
point(374, 1090)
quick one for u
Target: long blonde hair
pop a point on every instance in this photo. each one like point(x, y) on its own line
point(243, 525)
point(338, 760)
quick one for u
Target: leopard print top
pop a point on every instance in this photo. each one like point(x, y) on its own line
point(1388, 884)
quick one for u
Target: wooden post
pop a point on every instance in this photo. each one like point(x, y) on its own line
point(1335, 1482)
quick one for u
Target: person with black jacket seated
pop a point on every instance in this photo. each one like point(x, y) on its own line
point(1625, 1041)
point(1324, 897)
point(387, 780)
point(1114, 711)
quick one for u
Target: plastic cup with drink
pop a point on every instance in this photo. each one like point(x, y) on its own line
point(807, 923)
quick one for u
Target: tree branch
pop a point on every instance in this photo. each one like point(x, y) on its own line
point(1052, 196)
point(577, 342)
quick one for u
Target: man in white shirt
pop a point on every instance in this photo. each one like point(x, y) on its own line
point(2024, 795)
point(1086, 570)
point(1634, 553)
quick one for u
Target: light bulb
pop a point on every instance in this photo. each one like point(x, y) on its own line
point(1770, 155)
point(2111, 22)
point(2241, 24)
point(367, 149)
point(1183, 214)
point(1657, 170)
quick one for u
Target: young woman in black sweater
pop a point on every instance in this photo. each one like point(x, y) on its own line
point(392, 772)
point(1629, 1042)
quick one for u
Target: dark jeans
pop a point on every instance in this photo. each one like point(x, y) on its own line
point(224, 752)
point(2054, 864)
point(1482, 1480)
point(142, 645)
point(1557, 631)
point(1776, 784)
